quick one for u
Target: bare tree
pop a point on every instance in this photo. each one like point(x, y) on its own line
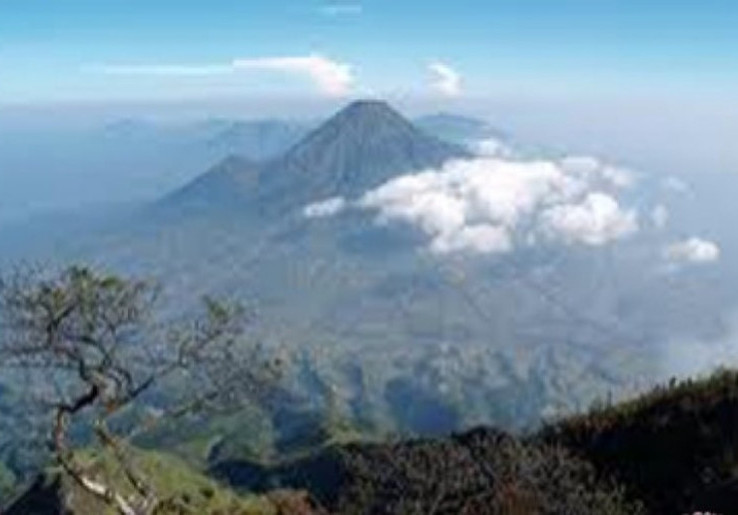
point(94, 354)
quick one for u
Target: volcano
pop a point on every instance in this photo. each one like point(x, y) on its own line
point(360, 147)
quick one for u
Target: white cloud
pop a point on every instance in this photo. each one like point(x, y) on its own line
point(596, 220)
point(325, 208)
point(341, 9)
point(692, 250)
point(481, 239)
point(447, 81)
point(331, 77)
point(592, 168)
point(490, 147)
point(490, 205)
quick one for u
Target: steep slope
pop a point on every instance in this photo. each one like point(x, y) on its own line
point(225, 186)
point(675, 448)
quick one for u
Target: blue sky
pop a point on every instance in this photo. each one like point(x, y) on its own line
point(111, 50)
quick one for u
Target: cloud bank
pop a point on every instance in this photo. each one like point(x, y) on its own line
point(491, 205)
point(330, 77)
point(446, 80)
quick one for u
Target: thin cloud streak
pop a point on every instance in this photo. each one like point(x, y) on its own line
point(331, 78)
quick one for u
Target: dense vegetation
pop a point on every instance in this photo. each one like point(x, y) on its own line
point(482, 471)
point(675, 448)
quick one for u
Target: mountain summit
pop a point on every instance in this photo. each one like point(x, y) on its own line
point(360, 147)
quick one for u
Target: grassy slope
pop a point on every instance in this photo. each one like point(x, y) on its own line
point(172, 479)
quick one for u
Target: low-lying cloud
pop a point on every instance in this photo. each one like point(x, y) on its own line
point(491, 205)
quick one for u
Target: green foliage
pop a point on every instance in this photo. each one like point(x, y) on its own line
point(179, 485)
point(183, 490)
point(203, 439)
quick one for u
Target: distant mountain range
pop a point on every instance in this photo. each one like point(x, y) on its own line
point(54, 168)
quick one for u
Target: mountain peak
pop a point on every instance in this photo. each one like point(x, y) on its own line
point(368, 107)
point(369, 104)
point(363, 145)
point(365, 119)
